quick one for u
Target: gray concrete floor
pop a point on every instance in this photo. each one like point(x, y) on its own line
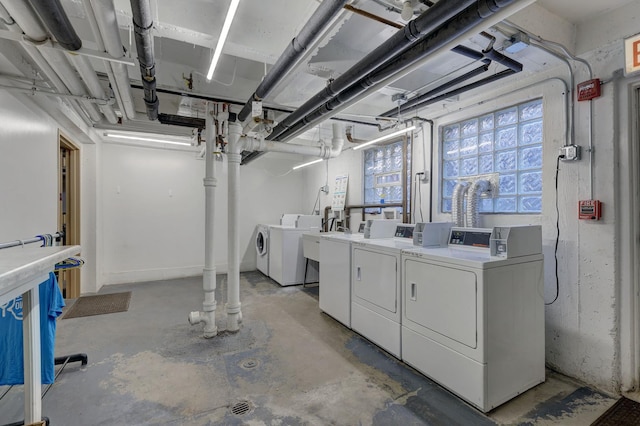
point(291, 363)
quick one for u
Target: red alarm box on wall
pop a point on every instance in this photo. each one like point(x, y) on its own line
point(589, 209)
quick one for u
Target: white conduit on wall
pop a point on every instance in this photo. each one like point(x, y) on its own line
point(476, 189)
point(236, 145)
point(208, 313)
point(457, 203)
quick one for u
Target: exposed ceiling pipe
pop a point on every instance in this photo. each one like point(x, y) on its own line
point(429, 97)
point(62, 67)
point(402, 40)
point(372, 16)
point(491, 54)
point(326, 11)
point(90, 79)
point(451, 30)
point(104, 23)
point(52, 62)
point(27, 19)
point(412, 102)
point(479, 83)
point(142, 23)
point(57, 22)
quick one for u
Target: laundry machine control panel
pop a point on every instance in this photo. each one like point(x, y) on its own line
point(470, 237)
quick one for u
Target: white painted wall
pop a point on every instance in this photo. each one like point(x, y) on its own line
point(152, 211)
point(29, 176)
point(28, 171)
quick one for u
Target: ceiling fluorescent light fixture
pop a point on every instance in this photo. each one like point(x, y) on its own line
point(299, 166)
point(385, 137)
point(223, 37)
point(144, 139)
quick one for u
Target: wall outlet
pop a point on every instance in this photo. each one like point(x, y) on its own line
point(325, 189)
point(423, 176)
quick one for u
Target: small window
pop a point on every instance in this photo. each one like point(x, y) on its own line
point(383, 173)
point(507, 142)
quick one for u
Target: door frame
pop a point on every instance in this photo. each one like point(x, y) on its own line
point(72, 230)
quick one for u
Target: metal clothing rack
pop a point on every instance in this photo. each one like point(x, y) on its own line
point(40, 238)
point(46, 239)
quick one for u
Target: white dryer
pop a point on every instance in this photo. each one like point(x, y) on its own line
point(473, 313)
point(262, 248)
point(375, 288)
point(335, 267)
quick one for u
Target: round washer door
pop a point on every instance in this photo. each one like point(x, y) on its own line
point(261, 243)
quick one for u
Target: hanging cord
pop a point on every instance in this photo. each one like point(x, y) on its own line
point(557, 233)
point(317, 202)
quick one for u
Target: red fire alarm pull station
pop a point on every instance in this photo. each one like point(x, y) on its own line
point(589, 209)
point(589, 89)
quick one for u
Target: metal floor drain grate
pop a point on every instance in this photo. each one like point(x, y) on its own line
point(241, 408)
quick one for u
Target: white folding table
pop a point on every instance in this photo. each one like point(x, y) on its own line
point(21, 272)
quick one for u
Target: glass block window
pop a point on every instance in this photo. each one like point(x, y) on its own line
point(507, 142)
point(383, 173)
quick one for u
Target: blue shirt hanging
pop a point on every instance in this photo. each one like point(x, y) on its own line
point(11, 349)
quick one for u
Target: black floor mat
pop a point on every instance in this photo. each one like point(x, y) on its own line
point(625, 412)
point(98, 305)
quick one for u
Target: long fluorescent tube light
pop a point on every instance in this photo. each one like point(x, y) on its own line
point(139, 138)
point(299, 166)
point(385, 137)
point(223, 37)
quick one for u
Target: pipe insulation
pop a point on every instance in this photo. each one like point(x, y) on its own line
point(457, 203)
point(326, 11)
point(435, 40)
point(208, 313)
point(142, 23)
point(424, 24)
point(234, 156)
point(104, 23)
point(57, 22)
point(475, 190)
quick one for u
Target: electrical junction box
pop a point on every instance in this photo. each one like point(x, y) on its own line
point(589, 89)
point(589, 210)
point(570, 153)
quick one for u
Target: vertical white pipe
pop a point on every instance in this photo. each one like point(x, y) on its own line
point(208, 313)
point(233, 274)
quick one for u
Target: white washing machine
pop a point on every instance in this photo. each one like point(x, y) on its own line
point(473, 313)
point(375, 288)
point(335, 267)
point(262, 248)
point(286, 259)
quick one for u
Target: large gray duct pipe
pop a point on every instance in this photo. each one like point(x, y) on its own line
point(326, 11)
point(57, 22)
point(396, 44)
point(445, 33)
point(142, 23)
